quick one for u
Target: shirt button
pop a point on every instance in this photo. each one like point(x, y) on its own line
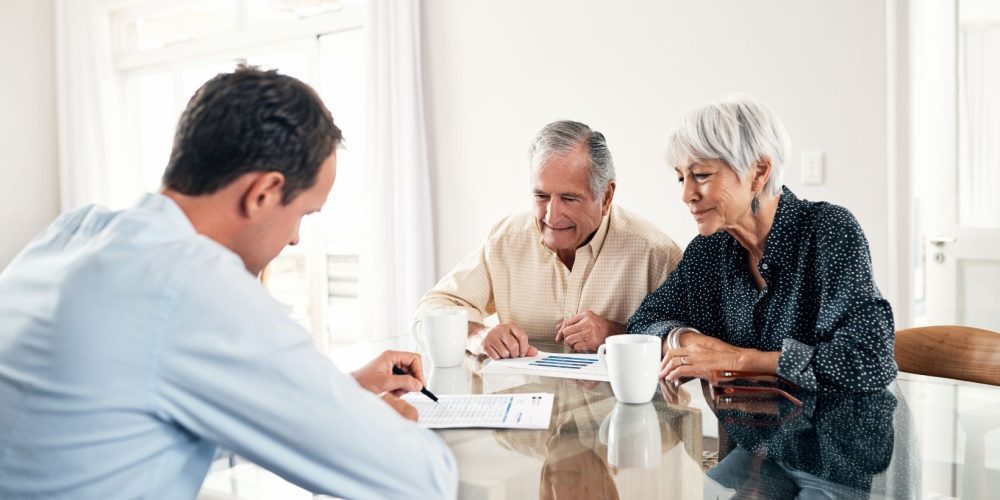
point(764, 266)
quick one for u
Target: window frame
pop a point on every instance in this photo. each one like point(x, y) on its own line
point(300, 34)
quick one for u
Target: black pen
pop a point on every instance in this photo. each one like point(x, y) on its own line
point(399, 371)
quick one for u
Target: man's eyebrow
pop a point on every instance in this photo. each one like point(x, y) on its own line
point(565, 193)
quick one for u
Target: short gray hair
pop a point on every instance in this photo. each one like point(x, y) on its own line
point(561, 137)
point(738, 131)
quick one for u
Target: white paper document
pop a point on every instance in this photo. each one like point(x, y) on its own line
point(491, 411)
point(547, 364)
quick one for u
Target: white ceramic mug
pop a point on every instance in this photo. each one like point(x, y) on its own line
point(632, 433)
point(446, 331)
point(633, 363)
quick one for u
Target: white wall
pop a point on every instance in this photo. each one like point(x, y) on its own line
point(496, 71)
point(29, 191)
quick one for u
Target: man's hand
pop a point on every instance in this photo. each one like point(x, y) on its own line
point(506, 341)
point(377, 375)
point(586, 331)
point(402, 407)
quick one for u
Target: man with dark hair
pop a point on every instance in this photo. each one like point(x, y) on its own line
point(133, 343)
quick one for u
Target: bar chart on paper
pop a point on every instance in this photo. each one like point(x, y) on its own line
point(492, 411)
point(546, 364)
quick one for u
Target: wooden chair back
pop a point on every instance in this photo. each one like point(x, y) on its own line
point(956, 352)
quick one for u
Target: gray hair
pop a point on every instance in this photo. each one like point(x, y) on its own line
point(561, 137)
point(738, 131)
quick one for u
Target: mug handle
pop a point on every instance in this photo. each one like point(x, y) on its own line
point(601, 354)
point(602, 431)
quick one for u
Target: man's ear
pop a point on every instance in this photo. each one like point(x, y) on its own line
point(761, 173)
point(262, 194)
point(608, 196)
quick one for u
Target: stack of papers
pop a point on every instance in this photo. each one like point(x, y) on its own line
point(546, 364)
point(493, 411)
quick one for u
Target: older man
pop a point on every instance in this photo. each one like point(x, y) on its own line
point(573, 269)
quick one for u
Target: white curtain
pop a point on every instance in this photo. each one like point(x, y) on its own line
point(87, 110)
point(979, 128)
point(398, 259)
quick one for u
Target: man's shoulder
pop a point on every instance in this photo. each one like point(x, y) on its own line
point(515, 227)
point(631, 227)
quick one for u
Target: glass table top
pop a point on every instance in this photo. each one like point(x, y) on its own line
point(922, 437)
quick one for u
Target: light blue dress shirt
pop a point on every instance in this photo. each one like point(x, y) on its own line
point(131, 346)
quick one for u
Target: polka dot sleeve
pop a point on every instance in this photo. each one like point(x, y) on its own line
point(853, 319)
point(664, 309)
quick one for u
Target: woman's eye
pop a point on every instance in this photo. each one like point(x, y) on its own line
point(701, 177)
point(680, 180)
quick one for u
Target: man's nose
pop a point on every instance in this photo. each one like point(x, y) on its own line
point(554, 210)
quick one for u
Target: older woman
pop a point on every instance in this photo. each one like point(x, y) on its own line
point(772, 284)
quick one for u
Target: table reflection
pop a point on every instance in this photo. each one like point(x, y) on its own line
point(595, 447)
point(836, 444)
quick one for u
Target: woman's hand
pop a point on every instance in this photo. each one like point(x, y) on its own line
point(700, 355)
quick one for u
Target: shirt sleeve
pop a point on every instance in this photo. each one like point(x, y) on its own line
point(664, 309)
point(469, 286)
point(234, 369)
point(854, 318)
point(667, 257)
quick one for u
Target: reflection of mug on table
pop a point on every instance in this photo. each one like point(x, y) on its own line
point(451, 380)
point(446, 331)
point(632, 433)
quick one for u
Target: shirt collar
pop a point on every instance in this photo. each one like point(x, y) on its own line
point(780, 248)
point(158, 203)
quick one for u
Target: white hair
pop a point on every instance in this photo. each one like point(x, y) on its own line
point(738, 131)
point(561, 137)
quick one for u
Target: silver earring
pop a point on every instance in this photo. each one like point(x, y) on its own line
point(755, 205)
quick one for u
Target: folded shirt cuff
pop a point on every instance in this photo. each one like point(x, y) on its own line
point(795, 364)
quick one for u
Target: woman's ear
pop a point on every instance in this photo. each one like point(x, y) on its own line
point(263, 193)
point(761, 174)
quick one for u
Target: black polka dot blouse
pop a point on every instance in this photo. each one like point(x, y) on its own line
point(820, 306)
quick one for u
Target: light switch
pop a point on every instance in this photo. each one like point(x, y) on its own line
point(812, 167)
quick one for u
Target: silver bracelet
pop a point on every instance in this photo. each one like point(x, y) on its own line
point(674, 337)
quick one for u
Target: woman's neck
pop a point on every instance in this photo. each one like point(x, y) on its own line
point(751, 230)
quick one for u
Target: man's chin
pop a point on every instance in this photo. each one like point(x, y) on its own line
point(559, 244)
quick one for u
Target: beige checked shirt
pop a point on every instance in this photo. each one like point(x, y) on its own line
point(517, 277)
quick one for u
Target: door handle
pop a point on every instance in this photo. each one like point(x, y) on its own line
point(941, 241)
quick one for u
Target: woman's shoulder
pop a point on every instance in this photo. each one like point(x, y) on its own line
point(709, 247)
point(831, 229)
point(830, 220)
